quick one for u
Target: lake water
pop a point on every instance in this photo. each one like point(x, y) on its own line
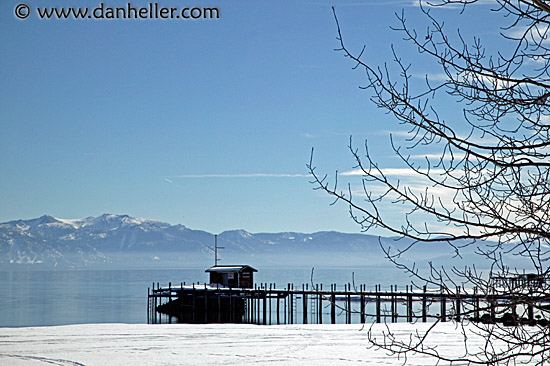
point(34, 298)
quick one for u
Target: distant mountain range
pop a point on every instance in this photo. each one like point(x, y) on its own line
point(120, 241)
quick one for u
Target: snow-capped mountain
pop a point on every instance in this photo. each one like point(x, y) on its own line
point(101, 240)
point(120, 241)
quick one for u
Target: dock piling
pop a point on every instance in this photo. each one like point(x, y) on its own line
point(424, 306)
point(202, 303)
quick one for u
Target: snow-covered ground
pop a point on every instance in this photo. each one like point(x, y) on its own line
point(214, 344)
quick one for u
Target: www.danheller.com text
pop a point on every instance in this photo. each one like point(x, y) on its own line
point(152, 10)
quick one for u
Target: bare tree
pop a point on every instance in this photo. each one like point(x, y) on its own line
point(489, 184)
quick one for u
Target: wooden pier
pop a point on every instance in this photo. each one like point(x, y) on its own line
point(267, 304)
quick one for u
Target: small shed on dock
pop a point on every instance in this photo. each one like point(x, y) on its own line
point(238, 276)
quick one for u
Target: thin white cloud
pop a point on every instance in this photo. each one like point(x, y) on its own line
point(168, 180)
point(538, 34)
point(399, 172)
point(481, 140)
point(400, 133)
point(252, 175)
point(308, 135)
point(447, 156)
point(431, 76)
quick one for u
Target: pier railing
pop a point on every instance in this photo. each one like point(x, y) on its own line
point(268, 304)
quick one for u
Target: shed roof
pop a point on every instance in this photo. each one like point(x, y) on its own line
point(230, 268)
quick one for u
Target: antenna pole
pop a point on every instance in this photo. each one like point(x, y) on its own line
point(216, 247)
point(215, 250)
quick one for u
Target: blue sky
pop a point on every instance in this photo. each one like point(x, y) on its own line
point(206, 123)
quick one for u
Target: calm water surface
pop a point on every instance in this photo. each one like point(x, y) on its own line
point(33, 298)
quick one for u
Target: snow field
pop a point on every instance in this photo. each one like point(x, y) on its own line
point(215, 344)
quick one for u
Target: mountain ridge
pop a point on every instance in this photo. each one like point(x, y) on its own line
point(122, 241)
